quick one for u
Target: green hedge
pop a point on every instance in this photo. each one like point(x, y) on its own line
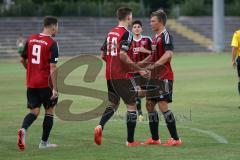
point(233, 9)
point(107, 8)
point(195, 8)
point(70, 8)
point(204, 8)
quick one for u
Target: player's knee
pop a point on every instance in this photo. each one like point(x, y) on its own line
point(35, 111)
point(141, 94)
point(163, 106)
point(114, 106)
point(131, 107)
point(150, 103)
point(150, 106)
point(49, 111)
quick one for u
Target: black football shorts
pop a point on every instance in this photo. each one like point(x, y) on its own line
point(40, 96)
point(121, 88)
point(159, 90)
point(139, 81)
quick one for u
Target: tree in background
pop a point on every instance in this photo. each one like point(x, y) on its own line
point(107, 8)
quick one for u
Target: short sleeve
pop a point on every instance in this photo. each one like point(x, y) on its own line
point(54, 51)
point(167, 42)
point(24, 52)
point(235, 40)
point(126, 41)
point(149, 43)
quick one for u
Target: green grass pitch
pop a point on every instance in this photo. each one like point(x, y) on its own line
point(206, 85)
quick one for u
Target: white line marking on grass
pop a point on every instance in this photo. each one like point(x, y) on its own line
point(217, 137)
point(212, 134)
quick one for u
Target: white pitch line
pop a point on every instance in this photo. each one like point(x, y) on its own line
point(217, 137)
point(212, 134)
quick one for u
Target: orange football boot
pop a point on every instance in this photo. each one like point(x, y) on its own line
point(172, 142)
point(134, 144)
point(98, 135)
point(150, 141)
point(21, 139)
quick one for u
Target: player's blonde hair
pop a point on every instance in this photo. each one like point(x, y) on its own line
point(161, 15)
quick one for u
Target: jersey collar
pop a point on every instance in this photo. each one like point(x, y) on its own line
point(42, 34)
point(122, 27)
point(137, 40)
point(164, 30)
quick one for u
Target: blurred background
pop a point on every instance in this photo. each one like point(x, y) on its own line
point(84, 23)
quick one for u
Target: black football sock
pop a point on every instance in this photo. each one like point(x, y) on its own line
point(139, 107)
point(171, 124)
point(131, 125)
point(239, 88)
point(108, 113)
point(47, 126)
point(28, 120)
point(153, 124)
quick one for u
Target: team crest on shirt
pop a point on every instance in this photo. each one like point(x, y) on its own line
point(143, 43)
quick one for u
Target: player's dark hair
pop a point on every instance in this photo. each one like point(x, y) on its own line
point(50, 20)
point(161, 15)
point(123, 12)
point(137, 22)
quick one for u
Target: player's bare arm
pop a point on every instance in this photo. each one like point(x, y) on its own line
point(53, 71)
point(145, 62)
point(167, 56)
point(144, 50)
point(234, 55)
point(125, 59)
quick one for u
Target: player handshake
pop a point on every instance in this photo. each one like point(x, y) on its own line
point(137, 64)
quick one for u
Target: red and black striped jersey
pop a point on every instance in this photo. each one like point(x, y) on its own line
point(134, 52)
point(119, 38)
point(40, 50)
point(161, 43)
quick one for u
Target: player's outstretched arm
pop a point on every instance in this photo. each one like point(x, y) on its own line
point(145, 62)
point(167, 56)
point(144, 50)
point(125, 59)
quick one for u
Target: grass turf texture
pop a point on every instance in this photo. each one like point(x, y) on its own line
point(204, 84)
